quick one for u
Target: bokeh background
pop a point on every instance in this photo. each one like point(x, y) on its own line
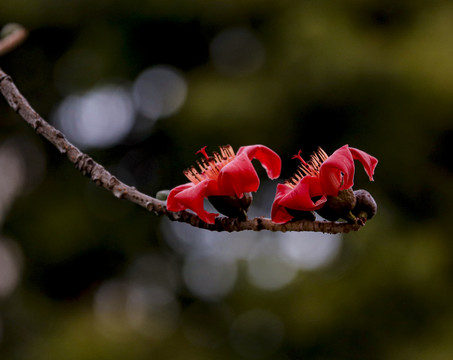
point(141, 86)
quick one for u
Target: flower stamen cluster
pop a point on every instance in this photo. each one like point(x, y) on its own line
point(210, 166)
point(307, 168)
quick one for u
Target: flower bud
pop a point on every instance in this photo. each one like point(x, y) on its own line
point(232, 206)
point(339, 206)
point(365, 207)
point(162, 195)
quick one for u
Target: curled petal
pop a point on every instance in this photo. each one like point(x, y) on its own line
point(331, 180)
point(172, 203)
point(369, 162)
point(301, 196)
point(337, 172)
point(279, 214)
point(190, 196)
point(238, 177)
point(298, 198)
point(268, 158)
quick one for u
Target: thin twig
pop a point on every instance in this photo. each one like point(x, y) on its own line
point(105, 179)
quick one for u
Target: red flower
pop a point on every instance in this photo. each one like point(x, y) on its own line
point(223, 174)
point(318, 178)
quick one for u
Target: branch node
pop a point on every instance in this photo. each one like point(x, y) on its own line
point(85, 164)
point(5, 77)
point(14, 103)
point(37, 124)
point(259, 224)
point(59, 135)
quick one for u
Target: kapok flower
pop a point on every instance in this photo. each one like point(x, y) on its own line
point(223, 174)
point(318, 179)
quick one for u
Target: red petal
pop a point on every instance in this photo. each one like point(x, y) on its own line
point(237, 177)
point(279, 214)
point(172, 203)
point(300, 197)
point(369, 162)
point(190, 196)
point(337, 172)
point(268, 158)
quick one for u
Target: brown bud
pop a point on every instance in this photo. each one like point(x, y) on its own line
point(366, 206)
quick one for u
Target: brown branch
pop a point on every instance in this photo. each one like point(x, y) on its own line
point(105, 179)
point(261, 223)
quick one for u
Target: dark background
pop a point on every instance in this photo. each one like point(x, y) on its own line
point(84, 275)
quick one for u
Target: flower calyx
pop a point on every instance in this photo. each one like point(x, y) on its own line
point(232, 206)
point(339, 207)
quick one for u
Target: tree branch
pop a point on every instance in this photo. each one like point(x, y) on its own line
point(105, 179)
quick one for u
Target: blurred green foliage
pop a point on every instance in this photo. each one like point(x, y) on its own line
point(376, 75)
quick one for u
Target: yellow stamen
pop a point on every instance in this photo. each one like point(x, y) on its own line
point(307, 168)
point(210, 166)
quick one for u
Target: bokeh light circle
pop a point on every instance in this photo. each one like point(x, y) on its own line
point(99, 118)
point(159, 91)
point(209, 277)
